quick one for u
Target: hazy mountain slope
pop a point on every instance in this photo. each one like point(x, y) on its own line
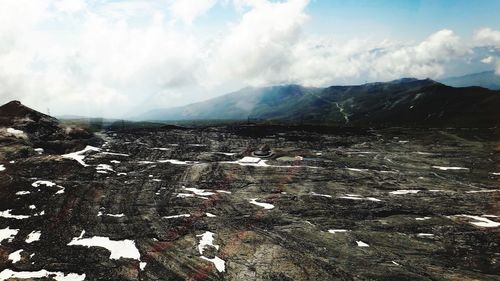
point(400, 102)
point(487, 79)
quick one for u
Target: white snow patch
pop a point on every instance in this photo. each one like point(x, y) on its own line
point(359, 197)
point(210, 215)
point(207, 239)
point(79, 156)
point(351, 197)
point(266, 206)
point(104, 167)
point(7, 274)
point(197, 191)
point(15, 256)
point(161, 148)
point(425, 235)
point(184, 195)
point(424, 153)
point(20, 193)
point(333, 231)
point(226, 153)
point(8, 234)
point(362, 244)
point(177, 162)
point(32, 207)
point(115, 154)
point(489, 216)
point(122, 174)
point(39, 150)
point(33, 237)
point(2, 168)
point(115, 161)
point(449, 168)
point(118, 248)
point(495, 174)
point(223, 191)
point(423, 218)
point(46, 183)
point(6, 214)
point(142, 265)
point(483, 191)
point(357, 170)
point(16, 133)
point(481, 221)
point(115, 215)
point(218, 262)
point(177, 216)
point(404, 191)
point(249, 160)
point(321, 195)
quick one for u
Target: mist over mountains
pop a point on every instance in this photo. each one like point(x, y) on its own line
point(407, 101)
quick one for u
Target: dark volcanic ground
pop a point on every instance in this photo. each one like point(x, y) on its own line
point(176, 205)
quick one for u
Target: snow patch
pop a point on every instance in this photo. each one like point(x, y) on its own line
point(115, 154)
point(104, 167)
point(333, 231)
point(266, 206)
point(207, 239)
point(481, 221)
point(177, 162)
point(15, 256)
point(118, 248)
point(7, 274)
point(6, 214)
point(2, 168)
point(8, 234)
point(46, 183)
point(210, 215)
point(321, 195)
point(219, 263)
point(177, 216)
point(362, 244)
point(197, 191)
point(449, 168)
point(79, 156)
point(20, 193)
point(404, 191)
point(33, 237)
point(423, 218)
point(483, 191)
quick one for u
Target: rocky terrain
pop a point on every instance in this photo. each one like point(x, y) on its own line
point(196, 204)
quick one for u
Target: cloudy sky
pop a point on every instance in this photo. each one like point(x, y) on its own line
point(116, 58)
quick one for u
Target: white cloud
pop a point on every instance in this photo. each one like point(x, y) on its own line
point(110, 58)
point(488, 60)
point(489, 37)
point(70, 6)
point(188, 10)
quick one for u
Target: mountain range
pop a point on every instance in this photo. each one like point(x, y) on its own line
point(486, 79)
point(403, 102)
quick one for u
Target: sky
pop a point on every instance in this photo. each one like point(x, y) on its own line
point(119, 58)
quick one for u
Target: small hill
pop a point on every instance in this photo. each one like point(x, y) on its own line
point(21, 126)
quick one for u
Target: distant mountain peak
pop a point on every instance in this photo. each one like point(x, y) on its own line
point(485, 79)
